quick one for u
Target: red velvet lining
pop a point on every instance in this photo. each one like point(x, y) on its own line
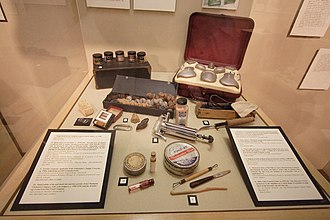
point(220, 39)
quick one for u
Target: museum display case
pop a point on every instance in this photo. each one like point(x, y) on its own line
point(100, 131)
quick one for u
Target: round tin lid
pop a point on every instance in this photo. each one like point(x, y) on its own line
point(135, 163)
point(181, 155)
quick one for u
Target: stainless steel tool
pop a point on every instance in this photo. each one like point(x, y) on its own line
point(208, 178)
point(162, 126)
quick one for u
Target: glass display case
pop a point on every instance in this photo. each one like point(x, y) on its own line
point(47, 68)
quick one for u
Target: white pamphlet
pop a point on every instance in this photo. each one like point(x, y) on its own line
point(272, 167)
point(70, 168)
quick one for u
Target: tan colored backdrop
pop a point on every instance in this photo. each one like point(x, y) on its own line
point(43, 60)
point(273, 68)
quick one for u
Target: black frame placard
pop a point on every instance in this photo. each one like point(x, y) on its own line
point(247, 180)
point(56, 206)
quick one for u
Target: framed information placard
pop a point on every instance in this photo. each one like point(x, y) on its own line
point(70, 171)
point(272, 170)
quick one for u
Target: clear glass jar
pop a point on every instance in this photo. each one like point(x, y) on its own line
point(108, 56)
point(120, 56)
point(97, 59)
point(131, 56)
point(140, 56)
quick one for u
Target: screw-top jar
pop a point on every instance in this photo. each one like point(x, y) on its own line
point(181, 111)
point(97, 59)
point(140, 56)
point(131, 56)
point(108, 56)
point(120, 56)
point(135, 163)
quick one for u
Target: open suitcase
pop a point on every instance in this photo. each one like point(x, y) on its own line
point(214, 53)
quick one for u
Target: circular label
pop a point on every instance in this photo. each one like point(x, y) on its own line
point(182, 154)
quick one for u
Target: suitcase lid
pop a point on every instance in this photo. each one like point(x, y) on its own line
point(218, 38)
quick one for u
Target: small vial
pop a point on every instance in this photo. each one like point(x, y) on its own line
point(181, 111)
point(141, 185)
point(97, 59)
point(120, 56)
point(131, 56)
point(108, 56)
point(140, 56)
point(153, 162)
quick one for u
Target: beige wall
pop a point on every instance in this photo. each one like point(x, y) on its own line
point(272, 71)
point(273, 67)
point(42, 61)
point(161, 34)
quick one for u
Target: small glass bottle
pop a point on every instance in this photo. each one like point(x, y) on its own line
point(120, 56)
point(97, 59)
point(141, 185)
point(108, 56)
point(140, 56)
point(153, 162)
point(181, 111)
point(131, 56)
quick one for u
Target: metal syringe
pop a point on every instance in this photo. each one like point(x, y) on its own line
point(162, 126)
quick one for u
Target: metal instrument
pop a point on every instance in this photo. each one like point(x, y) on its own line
point(229, 80)
point(231, 122)
point(187, 72)
point(208, 178)
point(208, 76)
point(195, 175)
point(162, 126)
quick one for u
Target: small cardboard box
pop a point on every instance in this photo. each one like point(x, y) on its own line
point(214, 40)
point(139, 88)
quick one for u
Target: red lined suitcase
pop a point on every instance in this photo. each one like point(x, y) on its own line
point(218, 44)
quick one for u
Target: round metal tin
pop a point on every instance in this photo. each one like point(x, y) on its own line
point(135, 163)
point(181, 158)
